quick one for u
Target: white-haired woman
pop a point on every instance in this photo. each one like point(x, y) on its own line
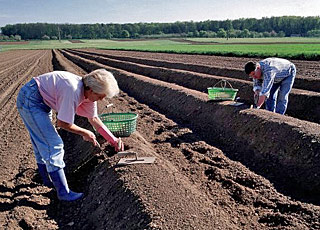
point(68, 94)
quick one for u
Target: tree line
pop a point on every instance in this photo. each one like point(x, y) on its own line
point(245, 27)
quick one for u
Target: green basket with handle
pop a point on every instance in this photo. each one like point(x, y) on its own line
point(222, 93)
point(120, 124)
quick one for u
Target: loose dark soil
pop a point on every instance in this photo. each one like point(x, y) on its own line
point(217, 166)
point(14, 43)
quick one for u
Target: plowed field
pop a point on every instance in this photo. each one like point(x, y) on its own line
point(217, 166)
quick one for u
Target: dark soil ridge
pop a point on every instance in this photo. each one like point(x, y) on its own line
point(303, 104)
point(248, 189)
point(301, 82)
point(293, 163)
point(123, 208)
point(60, 63)
point(305, 68)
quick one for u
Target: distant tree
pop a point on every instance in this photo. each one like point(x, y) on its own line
point(266, 34)
point(313, 33)
point(281, 34)
point(17, 37)
point(118, 30)
point(243, 27)
point(231, 33)
point(190, 34)
point(211, 34)
point(108, 35)
point(226, 25)
point(237, 33)
point(203, 34)
point(273, 33)
point(245, 33)
point(191, 27)
point(204, 26)
point(254, 34)
point(135, 35)
point(45, 37)
point(221, 33)
point(196, 34)
point(125, 34)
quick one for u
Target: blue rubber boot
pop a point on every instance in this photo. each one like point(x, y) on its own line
point(60, 183)
point(44, 175)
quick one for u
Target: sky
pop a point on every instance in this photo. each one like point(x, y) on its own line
point(134, 11)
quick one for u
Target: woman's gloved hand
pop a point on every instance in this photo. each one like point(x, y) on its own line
point(119, 146)
point(115, 142)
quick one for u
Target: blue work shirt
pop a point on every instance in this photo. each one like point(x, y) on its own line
point(273, 70)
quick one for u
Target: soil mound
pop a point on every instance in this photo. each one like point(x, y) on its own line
point(213, 168)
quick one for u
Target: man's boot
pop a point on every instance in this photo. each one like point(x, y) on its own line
point(60, 183)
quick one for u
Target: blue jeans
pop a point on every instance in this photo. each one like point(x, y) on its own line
point(279, 93)
point(37, 116)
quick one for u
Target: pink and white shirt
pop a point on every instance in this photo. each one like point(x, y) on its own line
point(64, 92)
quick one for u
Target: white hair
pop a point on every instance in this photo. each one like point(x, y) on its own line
point(101, 81)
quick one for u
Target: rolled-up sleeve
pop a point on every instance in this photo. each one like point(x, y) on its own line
point(257, 85)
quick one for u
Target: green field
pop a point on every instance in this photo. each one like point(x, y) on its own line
point(258, 40)
point(296, 48)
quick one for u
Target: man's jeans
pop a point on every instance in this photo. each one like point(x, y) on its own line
point(279, 93)
point(37, 116)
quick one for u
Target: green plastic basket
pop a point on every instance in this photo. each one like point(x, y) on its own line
point(120, 124)
point(222, 93)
